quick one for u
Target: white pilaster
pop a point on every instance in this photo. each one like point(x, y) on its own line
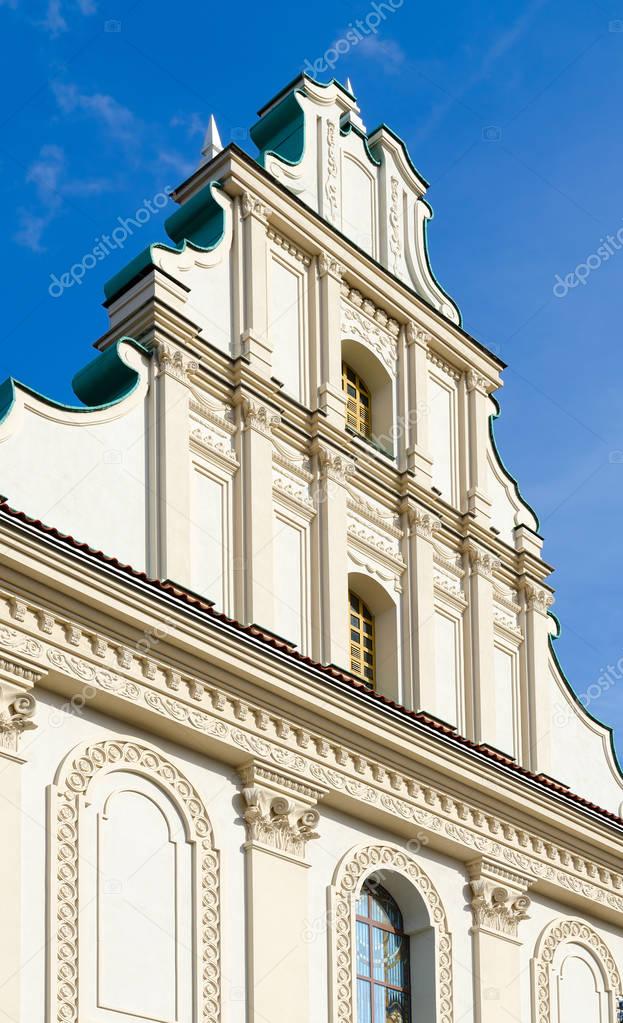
point(479, 410)
point(331, 398)
point(419, 460)
point(333, 471)
point(255, 339)
point(482, 677)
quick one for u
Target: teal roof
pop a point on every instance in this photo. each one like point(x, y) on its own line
point(199, 223)
point(102, 383)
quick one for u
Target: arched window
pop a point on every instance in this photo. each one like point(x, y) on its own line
point(383, 968)
point(358, 404)
point(362, 645)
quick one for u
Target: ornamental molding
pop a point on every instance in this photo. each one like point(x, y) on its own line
point(395, 223)
point(376, 514)
point(250, 205)
point(171, 362)
point(16, 719)
point(289, 486)
point(329, 265)
point(365, 534)
point(331, 177)
point(279, 812)
point(68, 798)
point(499, 899)
point(422, 523)
point(537, 598)
point(414, 334)
point(262, 418)
point(365, 322)
point(477, 382)
point(543, 974)
point(378, 859)
point(284, 243)
point(317, 760)
point(362, 555)
point(215, 442)
point(334, 465)
point(482, 561)
point(441, 364)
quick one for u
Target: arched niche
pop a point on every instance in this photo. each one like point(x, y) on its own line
point(134, 890)
point(381, 387)
point(573, 971)
point(399, 872)
point(382, 602)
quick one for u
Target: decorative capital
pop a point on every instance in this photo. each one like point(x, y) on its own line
point(16, 720)
point(335, 466)
point(416, 336)
point(328, 265)
point(250, 205)
point(537, 597)
point(476, 382)
point(422, 522)
point(173, 363)
point(499, 898)
point(259, 417)
point(279, 811)
point(482, 561)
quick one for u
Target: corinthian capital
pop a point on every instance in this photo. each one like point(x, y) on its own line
point(250, 205)
point(482, 561)
point(335, 466)
point(279, 811)
point(328, 265)
point(537, 597)
point(259, 417)
point(172, 362)
point(499, 898)
point(476, 382)
point(422, 522)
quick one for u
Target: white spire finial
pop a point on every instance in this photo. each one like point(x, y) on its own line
point(355, 115)
point(212, 144)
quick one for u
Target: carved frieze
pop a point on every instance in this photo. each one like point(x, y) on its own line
point(365, 322)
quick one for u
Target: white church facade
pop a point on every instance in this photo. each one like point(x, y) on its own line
point(283, 733)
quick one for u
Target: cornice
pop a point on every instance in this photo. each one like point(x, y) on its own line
point(187, 700)
point(244, 728)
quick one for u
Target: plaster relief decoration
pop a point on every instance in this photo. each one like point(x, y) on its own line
point(279, 812)
point(259, 417)
point(131, 781)
point(16, 719)
point(546, 987)
point(212, 428)
point(362, 321)
point(395, 230)
point(331, 180)
point(498, 898)
point(376, 530)
point(174, 363)
point(381, 860)
point(292, 478)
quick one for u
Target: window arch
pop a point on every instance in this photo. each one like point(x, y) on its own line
point(358, 402)
point(383, 959)
point(362, 640)
point(116, 789)
point(423, 919)
point(573, 966)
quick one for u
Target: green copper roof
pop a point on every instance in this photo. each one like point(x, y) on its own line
point(281, 131)
point(200, 223)
point(102, 383)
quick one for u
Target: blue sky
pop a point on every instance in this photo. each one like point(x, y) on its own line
point(511, 110)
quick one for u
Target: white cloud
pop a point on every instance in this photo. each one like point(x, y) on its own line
point(193, 123)
point(54, 22)
point(112, 115)
point(31, 229)
point(48, 176)
point(168, 158)
point(386, 52)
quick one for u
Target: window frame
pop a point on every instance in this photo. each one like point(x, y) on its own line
point(365, 618)
point(358, 418)
point(371, 892)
